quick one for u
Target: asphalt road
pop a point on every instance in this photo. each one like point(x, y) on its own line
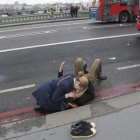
point(31, 55)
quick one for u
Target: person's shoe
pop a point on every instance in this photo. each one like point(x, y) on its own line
point(81, 132)
point(38, 108)
point(83, 124)
point(102, 78)
point(85, 68)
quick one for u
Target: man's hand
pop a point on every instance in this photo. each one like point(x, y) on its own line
point(61, 66)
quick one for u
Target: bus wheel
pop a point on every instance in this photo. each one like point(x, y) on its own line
point(124, 17)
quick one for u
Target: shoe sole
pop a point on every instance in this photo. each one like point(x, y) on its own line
point(93, 125)
point(77, 137)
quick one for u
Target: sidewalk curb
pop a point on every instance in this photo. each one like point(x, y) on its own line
point(92, 110)
point(38, 124)
point(40, 22)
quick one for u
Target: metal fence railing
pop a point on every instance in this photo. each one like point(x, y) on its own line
point(38, 17)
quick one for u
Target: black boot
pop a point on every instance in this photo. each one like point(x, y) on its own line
point(102, 78)
point(38, 108)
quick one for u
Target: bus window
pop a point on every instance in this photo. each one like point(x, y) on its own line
point(123, 3)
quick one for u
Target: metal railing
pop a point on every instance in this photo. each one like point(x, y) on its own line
point(39, 17)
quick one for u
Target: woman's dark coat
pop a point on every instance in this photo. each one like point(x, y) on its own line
point(86, 97)
point(51, 94)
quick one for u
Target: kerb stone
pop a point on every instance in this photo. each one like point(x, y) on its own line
point(68, 116)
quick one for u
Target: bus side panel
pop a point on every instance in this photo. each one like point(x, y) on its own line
point(101, 4)
point(136, 9)
point(116, 9)
point(138, 26)
point(138, 21)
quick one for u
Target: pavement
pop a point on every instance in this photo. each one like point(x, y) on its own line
point(40, 22)
point(118, 116)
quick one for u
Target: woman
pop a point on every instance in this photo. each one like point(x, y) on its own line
point(52, 94)
point(52, 13)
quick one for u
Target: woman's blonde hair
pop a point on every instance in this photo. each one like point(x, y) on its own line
point(83, 83)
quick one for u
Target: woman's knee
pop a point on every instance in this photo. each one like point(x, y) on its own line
point(98, 61)
point(79, 60)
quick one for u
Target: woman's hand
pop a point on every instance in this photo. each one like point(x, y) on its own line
point(71, 94)
point(61, 66)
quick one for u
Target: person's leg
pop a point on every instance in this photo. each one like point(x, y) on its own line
point(79, 65)
point(54, 108)
point(95, 71)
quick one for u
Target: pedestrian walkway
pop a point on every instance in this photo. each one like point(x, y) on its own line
point(121, 125)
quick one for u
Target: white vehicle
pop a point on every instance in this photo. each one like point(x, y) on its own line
point(3, 15)
point(40, 12)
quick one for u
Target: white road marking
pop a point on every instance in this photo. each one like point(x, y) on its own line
point(2, 37)
point(107, 26)
point(112, 58)
point(68, 42)
point(27, 34)
point(17, 88)
point(85, 28)
point(53, 31)
point(61, 25)
point(43, 27)
point(129, 67)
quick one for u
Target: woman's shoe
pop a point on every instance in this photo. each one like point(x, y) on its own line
point(38, 108)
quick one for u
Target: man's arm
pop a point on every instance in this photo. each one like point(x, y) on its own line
point(60, 72)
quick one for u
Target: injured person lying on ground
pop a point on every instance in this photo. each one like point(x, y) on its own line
point(69, 91)
point(95, 73)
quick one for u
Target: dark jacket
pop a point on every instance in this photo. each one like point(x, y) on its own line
point(76, 9)
point(86, 97)
point(52, 93)
point(72, 9)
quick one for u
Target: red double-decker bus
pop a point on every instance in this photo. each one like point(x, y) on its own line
point(138, 18)
point(114, 10)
